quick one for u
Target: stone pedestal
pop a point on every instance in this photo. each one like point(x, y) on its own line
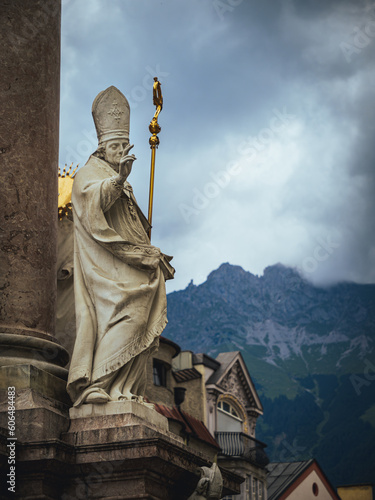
point(29, 133)
point(113, 451)
point(41, 415)
point(125, 450)
point(41, 403)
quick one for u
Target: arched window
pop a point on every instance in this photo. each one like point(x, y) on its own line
point(228, 408)
point(228, 417)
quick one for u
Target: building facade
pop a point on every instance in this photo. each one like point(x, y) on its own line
point(220, 394)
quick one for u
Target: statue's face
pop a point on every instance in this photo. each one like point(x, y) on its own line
point(114, 151)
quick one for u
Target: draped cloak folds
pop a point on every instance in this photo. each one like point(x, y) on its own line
point(119, 283)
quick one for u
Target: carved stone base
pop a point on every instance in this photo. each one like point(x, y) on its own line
point(113, 451)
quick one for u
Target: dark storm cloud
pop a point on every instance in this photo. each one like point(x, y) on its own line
point(306, 180)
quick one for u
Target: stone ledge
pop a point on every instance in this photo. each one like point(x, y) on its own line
point(116, 431)
point(130, 410)
point(133, 461)
point(28, 376)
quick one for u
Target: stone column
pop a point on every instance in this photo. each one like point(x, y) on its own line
point(29, 136)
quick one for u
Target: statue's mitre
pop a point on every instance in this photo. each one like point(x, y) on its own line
point(111, 113)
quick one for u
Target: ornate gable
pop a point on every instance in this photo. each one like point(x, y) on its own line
point(234, 383)
point(232, 377)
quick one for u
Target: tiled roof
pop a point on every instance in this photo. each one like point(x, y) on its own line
point(192, 425)
point(225, 359)
point(282, 474)
point(170, 413)
point(284, 477)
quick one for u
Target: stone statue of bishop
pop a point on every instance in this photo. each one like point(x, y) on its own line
point(119, 277)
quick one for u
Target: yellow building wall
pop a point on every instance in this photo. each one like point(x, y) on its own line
point(195, 395)
point(194, 403)
point(202, 391)
point(360, 492)
point(159, 394)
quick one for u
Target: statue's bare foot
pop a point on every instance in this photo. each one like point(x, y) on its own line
point(97, 397)
point(128, 396)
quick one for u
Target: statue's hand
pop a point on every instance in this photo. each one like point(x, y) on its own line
point(126, 164)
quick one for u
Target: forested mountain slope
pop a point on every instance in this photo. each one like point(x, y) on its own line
point(309, 350)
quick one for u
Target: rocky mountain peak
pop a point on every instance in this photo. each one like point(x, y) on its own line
point(280, 302)
point(281, 276)
point(228, 273)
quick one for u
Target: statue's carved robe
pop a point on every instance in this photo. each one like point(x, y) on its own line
point(119, 280)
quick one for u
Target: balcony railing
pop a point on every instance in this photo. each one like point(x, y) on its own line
point(240, 445)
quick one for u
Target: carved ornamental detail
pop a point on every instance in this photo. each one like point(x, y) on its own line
point(211, 401)
point(232, 384)
point(116, 112)
point(252, 425)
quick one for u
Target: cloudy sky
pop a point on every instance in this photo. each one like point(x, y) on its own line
point(267, 145)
